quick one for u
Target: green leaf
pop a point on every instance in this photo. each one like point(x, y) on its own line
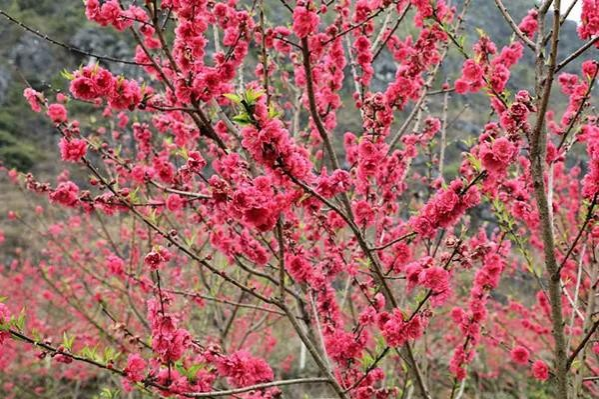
point(35, 334)
point(67, 341)
point(475, 162)
point(273, 112)
point(20, 322)
point(251, 95)
point(152, 216)
point(133, 196)
point(366, 360)
point(233, 98)
point(242, 119)
point(110, 354)
point(67, 75)
point(193, 370)
point(381, 344)
point(189, 240)
point(107, 393)
point(183, 153)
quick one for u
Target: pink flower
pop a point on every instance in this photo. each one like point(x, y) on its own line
point(135, 367)
point(589, 17)
point(154, 260)
point(520, 355)
point(115, 265)
point(126, 95)
point(540, 370)
point(4, 318)
point(243, 369)
point(305, 22)
point(67, 193)
point(436, 278)
point(171, 343)
point(415, 327)
point(364, 213)
point(195, 161)
point(34, 98)
point(471, 71)
point(72, 150)
point(589, 68)
point(497, 156)
point(338, 182)
point(343, 346)
point(272, 146)
point(104, 82)
point(83, 88)
point(461, 86)
point(174, 202)
point(61, 358)
point(58, 113)
point(298, 267)
point(529, 23)
point(397, 331)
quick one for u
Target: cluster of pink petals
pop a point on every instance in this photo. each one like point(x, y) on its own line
point(529, 24)
point(445, 208)
point(168, 340)
point(93, 82)
point(110, 13)
point(242, 369)
point(72, 150)
point(470, 323)
point(4, 318)
point(589, 27)
point(34, 98)
point(305, 20)
point(397, 330)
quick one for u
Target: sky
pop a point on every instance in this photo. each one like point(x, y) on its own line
point(575, 14)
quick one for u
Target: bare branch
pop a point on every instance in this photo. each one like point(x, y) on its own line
point(506, 15)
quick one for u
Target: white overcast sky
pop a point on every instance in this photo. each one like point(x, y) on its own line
point(575, 14)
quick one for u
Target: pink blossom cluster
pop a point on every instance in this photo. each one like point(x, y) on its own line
point(270, 145)
point(445, 208)
point(398, 329)
point(529, 23)
point(94, 82)
point(590, 183)
point(168, 341)
point(157, 258)
point(589, 27)
point(305, 19)
point(111, 13)
point(471, 321)
point(515, 118)
point(488, 69)
point(577, 91)
point(421, 56)
point(242, 369)
point(497, 154)
point(4, 319)
point(256, 203)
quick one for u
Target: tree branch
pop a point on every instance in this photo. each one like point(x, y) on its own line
point(512, 24)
